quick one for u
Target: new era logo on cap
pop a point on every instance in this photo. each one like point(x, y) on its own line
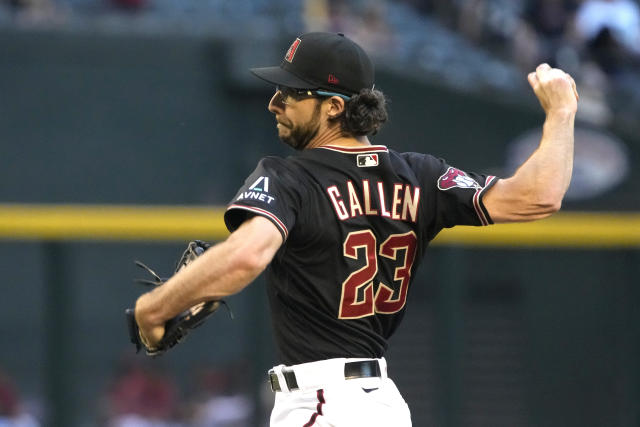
point(292, 50)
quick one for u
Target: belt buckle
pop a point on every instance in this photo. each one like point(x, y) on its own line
point(289, 377)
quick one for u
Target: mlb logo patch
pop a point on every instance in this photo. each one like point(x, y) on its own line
point(367, 160)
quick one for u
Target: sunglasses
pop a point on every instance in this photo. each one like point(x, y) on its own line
point(287, 94)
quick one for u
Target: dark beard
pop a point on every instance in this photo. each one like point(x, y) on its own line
point(300, 136)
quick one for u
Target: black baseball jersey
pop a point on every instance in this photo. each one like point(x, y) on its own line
point(355, 223)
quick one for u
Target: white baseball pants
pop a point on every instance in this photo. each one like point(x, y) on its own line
point(326, 399)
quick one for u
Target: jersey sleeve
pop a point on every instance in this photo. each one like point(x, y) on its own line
point(452, 196)
point(270, 191)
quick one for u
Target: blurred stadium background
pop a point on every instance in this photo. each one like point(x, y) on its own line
point(114, 112)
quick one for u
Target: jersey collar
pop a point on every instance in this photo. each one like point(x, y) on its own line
point(351, 150)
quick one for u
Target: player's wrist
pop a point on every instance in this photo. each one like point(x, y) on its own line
point(562, 112)
point(145, 316)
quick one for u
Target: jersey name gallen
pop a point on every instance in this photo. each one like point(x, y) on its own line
point(402, 204)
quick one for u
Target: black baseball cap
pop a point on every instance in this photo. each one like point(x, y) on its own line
point(322, 61)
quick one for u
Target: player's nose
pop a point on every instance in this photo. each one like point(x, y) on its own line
point(275, 104)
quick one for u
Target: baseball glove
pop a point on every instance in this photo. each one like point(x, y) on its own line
point(177, 328)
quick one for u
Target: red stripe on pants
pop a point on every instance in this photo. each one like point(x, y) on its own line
point(321, 402)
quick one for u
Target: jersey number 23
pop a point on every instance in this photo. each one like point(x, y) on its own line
point(358, 299)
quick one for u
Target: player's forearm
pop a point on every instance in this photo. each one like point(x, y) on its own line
point(546, 175)
point(537, 188)
point(223, 270)
point(214, 275)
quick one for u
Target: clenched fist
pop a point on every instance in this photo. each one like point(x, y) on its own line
point(555, 89)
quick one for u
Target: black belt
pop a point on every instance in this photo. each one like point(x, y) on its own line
point(352, 370)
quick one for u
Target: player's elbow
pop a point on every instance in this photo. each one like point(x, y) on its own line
point(249, 251)
point(550, 201)
point(507, 203)
point(543, 201)
point(251, 263)
point(244, 265)
point(541, 205)
point(545, 209)
point(253, 255)
point(554, 207)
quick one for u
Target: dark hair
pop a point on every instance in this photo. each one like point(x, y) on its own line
point(364, 113)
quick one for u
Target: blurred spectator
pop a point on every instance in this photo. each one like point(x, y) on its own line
point(372, 30)
point(597, 41)
point(610, 31)
point(36, 12)
point(471, 19)
point(141, 397)
point(129, 5)
point(222, 398)
point(543, 33)
point(363, 21)
point(11, 412)
point(444, 10)
point(489, 22)
point(610, 21)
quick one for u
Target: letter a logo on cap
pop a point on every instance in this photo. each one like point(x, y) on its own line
point(292, 50)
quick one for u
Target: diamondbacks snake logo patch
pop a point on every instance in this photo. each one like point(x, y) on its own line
point(453, 178)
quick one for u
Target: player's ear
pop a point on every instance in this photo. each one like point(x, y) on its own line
point(335, 107)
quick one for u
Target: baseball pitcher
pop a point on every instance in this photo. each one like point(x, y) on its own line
point(341, 227)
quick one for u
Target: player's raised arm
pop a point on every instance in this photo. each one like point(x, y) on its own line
point(537, 188)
